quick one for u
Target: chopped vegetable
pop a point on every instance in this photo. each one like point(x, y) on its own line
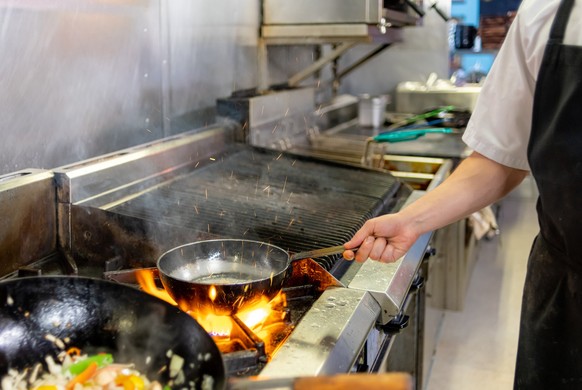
point(74, 351)
point(100, 360)
point(84, 376)
point(74, 371)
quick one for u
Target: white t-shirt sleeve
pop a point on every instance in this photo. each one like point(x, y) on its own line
point(500, 125)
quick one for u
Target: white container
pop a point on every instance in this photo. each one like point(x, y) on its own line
point(372, 110)
point(415, 98)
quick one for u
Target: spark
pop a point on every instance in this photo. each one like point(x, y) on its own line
point(279, 156)
point(266, 188)
point(293, 163)
point(289, 199)
point(284, 185)
point(196, 166)
point(286, 112)
point(274, 129)
point(212, 159)
point(246, 231)
point(291, 222)
point(196, 209)
point(148, 130)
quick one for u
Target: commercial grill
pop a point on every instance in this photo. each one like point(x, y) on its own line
point(117, 213)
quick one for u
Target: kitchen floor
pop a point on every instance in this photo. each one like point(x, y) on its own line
point(477, 346)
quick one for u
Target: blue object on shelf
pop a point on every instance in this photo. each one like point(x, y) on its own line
point(409, 135)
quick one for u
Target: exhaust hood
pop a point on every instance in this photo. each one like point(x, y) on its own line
point(320, 21)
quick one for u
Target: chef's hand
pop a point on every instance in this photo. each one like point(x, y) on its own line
point(386, 238)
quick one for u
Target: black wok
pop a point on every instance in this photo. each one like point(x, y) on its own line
point(101, 316)
point(227, 274)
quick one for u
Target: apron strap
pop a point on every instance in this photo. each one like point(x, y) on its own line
point(558, 30)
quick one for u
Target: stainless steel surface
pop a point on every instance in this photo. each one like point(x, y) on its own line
point(305, 12)
point(329, 33)
point(330, 336)
point(272, 119)
point(28, 226)
point(87, 187)
point(347, 140)
point(122, 172)
point(389, 282)
point(79, 81)
point(322, 11)
point(91, 77)
point(415, 97)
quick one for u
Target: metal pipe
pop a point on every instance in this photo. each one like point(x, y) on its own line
point(317, 65)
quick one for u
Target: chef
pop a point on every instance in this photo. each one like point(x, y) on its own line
point(528, 120)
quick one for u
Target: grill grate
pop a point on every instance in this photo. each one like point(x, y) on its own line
point(294, 202)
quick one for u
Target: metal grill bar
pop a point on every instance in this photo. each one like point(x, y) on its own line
point(294, 202)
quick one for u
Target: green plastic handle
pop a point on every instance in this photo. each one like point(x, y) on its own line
point(429, 114)
point(408, 135)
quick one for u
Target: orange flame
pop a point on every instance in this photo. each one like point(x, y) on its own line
point(258, 316)
point(212, 293)
point(146, 281)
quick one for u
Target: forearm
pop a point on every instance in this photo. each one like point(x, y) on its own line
point(476, 183)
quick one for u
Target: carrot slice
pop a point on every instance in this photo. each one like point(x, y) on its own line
point(74, 351)
point(83, 376)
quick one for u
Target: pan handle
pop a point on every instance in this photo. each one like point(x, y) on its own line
point(333, 250)
point(385, 381)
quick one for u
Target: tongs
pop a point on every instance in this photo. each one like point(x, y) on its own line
point(403, 135)
point(419, 117)
point(408, 135)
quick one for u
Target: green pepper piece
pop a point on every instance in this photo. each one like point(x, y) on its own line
point(101, 359)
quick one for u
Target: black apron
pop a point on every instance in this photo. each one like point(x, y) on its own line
point(550, 342)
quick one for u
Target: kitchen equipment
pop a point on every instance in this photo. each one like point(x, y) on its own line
point(415, 97)
point(121, 211)
point(100, 316)
point(227, 274)
point(399, 136)
point(372, 110)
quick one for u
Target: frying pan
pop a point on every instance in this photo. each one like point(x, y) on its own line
point(101, 316)
point(227, 274)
